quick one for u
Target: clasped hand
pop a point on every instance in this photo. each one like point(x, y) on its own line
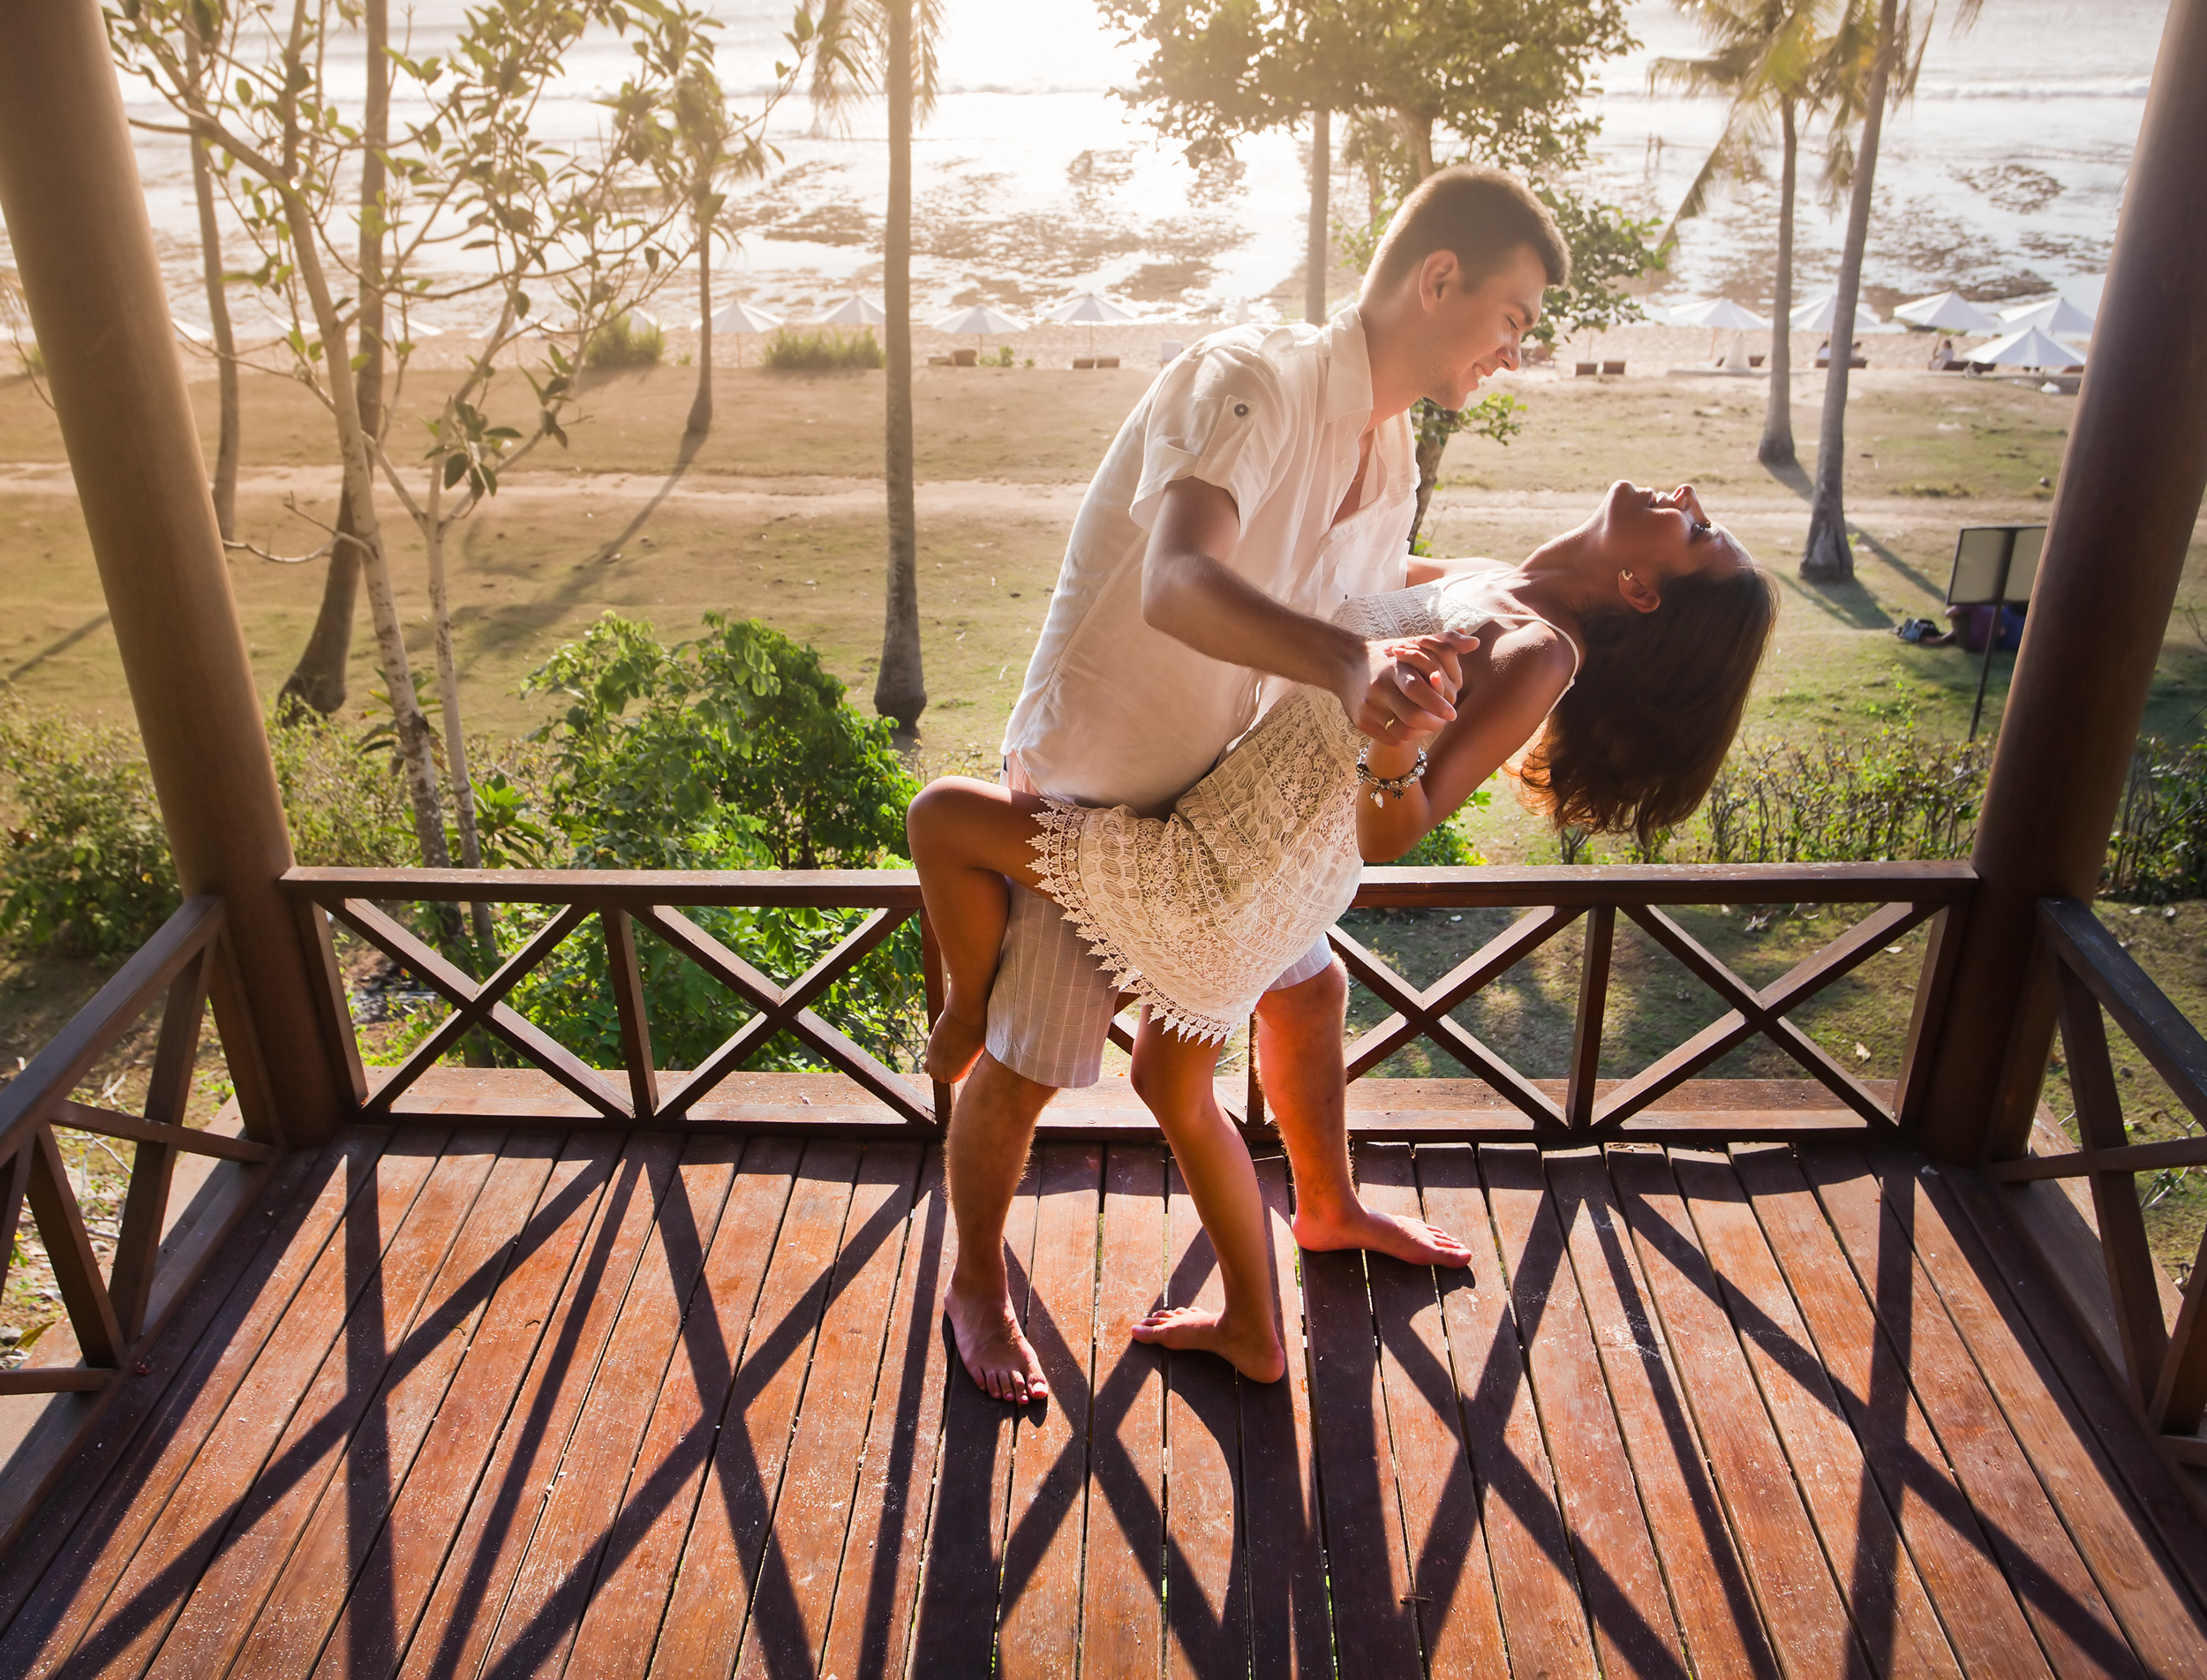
point(1408, 687)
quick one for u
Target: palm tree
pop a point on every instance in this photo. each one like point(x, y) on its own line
point(892, 44)
point(1826, 557)
point(1772, 58)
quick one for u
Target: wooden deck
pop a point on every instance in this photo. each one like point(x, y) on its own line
point(481, 1403)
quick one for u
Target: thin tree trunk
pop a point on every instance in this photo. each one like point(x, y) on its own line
point(319, 681)
point(1826, 558)
point(701, 406)
point(225, 342)
point(1776, 449)
point(456, 746)
point(1318, 254)
point(900, 688)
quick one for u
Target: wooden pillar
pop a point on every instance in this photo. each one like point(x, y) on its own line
point(2121, 519)
point(76, 215)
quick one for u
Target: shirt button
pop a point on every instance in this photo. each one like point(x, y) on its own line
point(1241, 408)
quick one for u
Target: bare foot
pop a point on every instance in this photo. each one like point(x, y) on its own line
point(955, 1045)
point(1412, 1241)
point(1252, 1349)
point(997, 1356)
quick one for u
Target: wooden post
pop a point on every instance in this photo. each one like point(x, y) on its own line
point(75, 213)
point(2122, 518)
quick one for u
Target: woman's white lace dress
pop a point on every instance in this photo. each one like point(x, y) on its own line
point(1198, 912)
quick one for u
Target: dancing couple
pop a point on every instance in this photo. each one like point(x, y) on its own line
point(1245, 688)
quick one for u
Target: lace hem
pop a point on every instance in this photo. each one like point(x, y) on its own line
point(1057, 844)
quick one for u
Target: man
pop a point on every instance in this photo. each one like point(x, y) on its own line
point(1268, 475)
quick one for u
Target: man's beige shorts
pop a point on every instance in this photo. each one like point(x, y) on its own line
point(1049, 1015)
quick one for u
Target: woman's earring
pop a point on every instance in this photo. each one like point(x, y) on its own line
point(1626, 575)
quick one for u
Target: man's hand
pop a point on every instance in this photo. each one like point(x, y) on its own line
point(1406, 688)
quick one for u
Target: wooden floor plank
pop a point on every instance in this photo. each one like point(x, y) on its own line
point(1803, 1611)
point(955, 1622)
point(1365, 1553)
point(1039, 1630)
point(408, 1552)
point(796, 1589)
point(1122, 1607)
point(1892, 1609)
point(1207, 1603)
point(341, 1398)
point(552, 1586)
point(621, 1625)
point(717, 1577)
point(461, 1614)
point(1709, 1591)
point(1635, 1632)
point(2137, 1581)
point(178, 1545)
point(288, 1635)
point(1528, 1545)
point(1290, 1626)
point(1932, 1433)
point(870, 1630)
point(62, 1565)
point(1452, 1581)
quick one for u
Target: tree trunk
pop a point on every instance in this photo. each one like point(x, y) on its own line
point(456, 746)
point(225, 343)
point(1433, 443)
point(900, 688)
point(701, 406)
point(1776, 449)
point(319, 680)
point(1318, 255)
point(1827, 559)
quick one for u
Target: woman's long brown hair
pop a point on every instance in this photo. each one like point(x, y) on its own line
point(1636, 741)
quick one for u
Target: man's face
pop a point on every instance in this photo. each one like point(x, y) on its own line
point(1473, 330)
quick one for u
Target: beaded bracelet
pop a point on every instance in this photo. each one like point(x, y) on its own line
point(1383, 786)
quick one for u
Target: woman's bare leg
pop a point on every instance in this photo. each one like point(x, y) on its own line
point(1173, 1076)
point(967, 836)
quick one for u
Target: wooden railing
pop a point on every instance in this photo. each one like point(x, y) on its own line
point(114, 1315)
point(2161, 1365)
point(1898, 897)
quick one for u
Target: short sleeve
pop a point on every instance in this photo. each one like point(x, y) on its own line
point(1218, 415)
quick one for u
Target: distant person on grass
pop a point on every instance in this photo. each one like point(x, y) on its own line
point(1267, 476)
point(1621, 651)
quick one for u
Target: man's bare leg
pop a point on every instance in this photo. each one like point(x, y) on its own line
point(1306, 1091)
point(991, 1130)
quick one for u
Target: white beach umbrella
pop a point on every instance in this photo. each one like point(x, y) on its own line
point(1949, 312)
point(1815, 316)
point(979, 322)
point(2057, 314)
point(2029, 348)
point(1089, 309)
point(734, 317)
point(1720, 314)
point(855, 311)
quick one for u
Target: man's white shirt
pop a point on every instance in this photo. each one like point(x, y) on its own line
point(1114, 712)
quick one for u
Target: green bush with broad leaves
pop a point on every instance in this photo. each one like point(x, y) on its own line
point(87, 867)
point(733, 751)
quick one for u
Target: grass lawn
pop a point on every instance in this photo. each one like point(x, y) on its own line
point(778, 514)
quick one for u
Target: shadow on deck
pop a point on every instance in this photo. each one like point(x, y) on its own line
point(482, 1403)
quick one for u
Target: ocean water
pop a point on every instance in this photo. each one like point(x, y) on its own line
point(2003, 175)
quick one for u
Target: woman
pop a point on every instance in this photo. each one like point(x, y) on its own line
point(1622, 651)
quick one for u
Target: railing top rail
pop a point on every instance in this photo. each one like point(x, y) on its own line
point(1380, 889)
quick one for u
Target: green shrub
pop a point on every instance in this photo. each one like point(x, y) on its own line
point(734, 750)
point(87, 866)
point(630, 339)
point(2159, 849)
point(344, 795)
point(820, 350)
point(1895, 792)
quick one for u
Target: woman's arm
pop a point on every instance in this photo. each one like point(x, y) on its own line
point(1506, 698)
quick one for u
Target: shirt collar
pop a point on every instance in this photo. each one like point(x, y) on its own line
point(1348, 368)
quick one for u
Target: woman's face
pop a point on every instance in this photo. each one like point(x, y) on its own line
point(1657, 535)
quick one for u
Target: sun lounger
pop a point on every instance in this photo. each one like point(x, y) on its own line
point(1586, 370)
point(1613, 367)
point(1107, 361)
point(1080, 362)
point(964, 358)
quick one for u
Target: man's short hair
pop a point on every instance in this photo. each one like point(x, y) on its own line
point(1482, 216)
